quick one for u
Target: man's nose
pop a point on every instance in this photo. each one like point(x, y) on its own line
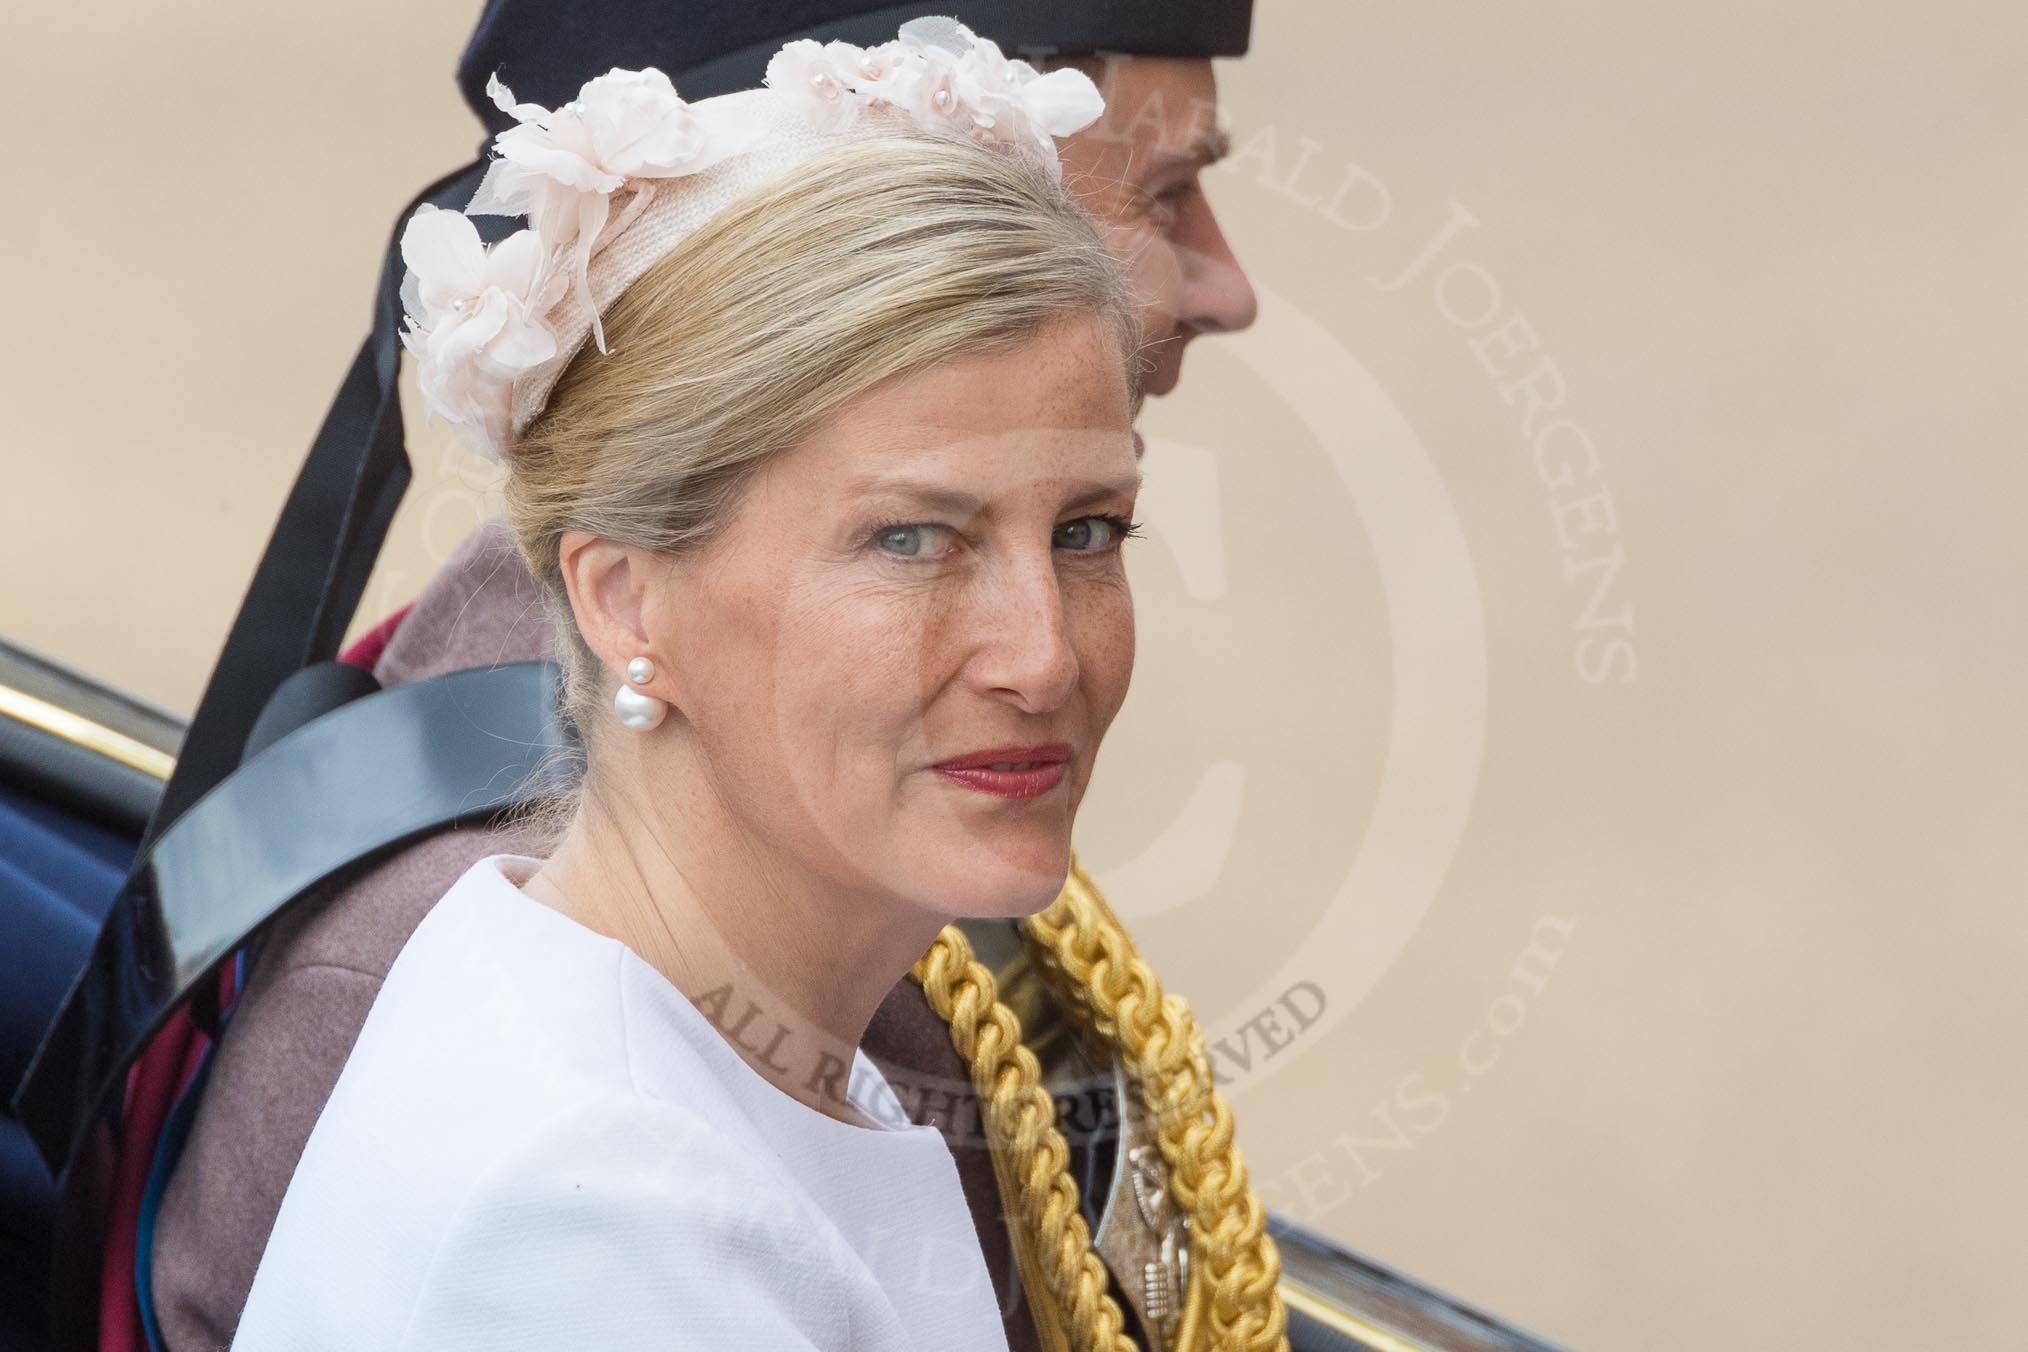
point(1217, 296)
point(1022, 652)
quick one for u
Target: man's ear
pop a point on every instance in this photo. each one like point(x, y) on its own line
point(607, 583)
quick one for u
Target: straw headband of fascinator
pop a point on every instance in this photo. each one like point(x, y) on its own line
point(613, 179)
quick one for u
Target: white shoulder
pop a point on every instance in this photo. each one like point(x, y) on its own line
point(625, 1224)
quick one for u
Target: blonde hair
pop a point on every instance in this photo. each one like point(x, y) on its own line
point(881, 260)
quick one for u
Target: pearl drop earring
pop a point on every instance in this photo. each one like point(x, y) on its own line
point(638, 711)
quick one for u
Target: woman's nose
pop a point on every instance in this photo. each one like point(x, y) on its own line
point(1022, 651)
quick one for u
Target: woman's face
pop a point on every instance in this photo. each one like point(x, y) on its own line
point(896, 660)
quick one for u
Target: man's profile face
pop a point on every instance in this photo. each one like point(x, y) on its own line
point(1137, 169)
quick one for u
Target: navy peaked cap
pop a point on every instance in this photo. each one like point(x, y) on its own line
point(545, 50)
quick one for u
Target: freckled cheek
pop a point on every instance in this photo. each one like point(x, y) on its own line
point(861, 666)
point(1102, 625)
point(732, 673)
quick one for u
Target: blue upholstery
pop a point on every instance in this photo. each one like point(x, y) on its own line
point(57, 878)
point(58, 875)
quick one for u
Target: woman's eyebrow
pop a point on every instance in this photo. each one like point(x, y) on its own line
point(938, 497)
point(1124, 487)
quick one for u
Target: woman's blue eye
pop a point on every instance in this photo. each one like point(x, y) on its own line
point(908, 541)
point(926, 539)
point(1092, 533)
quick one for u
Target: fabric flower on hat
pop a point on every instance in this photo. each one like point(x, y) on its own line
point(1044, 107)
point(475, 319)
point(1017, 102)
point(824, 79)
point(953, 77)
point(624, 131)
point(931, 83)
point(874, 64)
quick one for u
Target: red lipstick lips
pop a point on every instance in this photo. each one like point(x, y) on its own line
point(1010, 771)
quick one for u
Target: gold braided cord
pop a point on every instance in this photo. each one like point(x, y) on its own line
point(1162, 1049)
point(1191, 1323)
point(1019, 1116)
point(1234, 1302)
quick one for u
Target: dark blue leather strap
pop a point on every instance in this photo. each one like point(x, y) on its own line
point(383, 769)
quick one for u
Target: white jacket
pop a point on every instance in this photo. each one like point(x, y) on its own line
point(540, 1143)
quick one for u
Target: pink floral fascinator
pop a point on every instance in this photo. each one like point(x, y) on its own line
point(612, 180)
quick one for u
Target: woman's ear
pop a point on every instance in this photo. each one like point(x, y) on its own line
point(607, 583)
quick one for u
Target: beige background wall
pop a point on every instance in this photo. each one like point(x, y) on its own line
point(1672, 1009)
